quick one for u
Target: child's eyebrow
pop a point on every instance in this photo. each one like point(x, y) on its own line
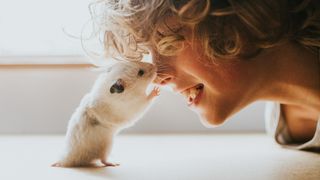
point(167, 29)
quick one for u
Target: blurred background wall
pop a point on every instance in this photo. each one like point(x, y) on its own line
point(38, 93)
point(41, 100)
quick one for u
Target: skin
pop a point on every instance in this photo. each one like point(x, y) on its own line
point(288, 73)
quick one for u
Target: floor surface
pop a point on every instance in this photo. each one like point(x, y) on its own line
point(163, 157)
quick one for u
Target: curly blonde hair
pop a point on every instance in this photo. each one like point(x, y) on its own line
point(224, 28)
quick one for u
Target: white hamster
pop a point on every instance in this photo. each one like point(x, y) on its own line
point(117, 99)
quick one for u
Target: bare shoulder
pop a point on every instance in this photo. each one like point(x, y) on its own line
point(301, 122)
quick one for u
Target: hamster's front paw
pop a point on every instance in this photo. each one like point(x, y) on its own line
point(155, 92)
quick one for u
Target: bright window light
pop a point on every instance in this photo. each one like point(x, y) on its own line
point(42, 27)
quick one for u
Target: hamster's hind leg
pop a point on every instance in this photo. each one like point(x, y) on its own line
point(107, 164)
point(56, 165)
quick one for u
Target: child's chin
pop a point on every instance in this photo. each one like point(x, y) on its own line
point(209, 121)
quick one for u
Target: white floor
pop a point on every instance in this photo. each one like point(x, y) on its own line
point(163, 157)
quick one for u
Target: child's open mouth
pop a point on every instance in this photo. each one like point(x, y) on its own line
point(193, 94)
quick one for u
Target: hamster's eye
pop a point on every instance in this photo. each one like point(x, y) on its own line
point(140, 72)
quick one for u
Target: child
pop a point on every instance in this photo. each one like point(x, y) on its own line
point(223, 55)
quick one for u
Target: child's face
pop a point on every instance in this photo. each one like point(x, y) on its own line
point(225, 85)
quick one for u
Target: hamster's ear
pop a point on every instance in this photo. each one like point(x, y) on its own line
point(102, 69)
point(117, 87)
point(109, 69)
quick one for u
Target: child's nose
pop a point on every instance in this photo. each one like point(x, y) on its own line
point(163, 80)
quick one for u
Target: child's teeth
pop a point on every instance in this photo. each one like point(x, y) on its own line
point(193, 93)
point(193, 90)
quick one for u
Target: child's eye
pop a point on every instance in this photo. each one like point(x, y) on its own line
point(160, 35)
point(140, 72)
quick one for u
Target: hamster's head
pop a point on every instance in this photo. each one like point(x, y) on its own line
point(126, 80)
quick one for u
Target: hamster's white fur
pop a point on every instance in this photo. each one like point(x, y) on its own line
point(102, 113)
